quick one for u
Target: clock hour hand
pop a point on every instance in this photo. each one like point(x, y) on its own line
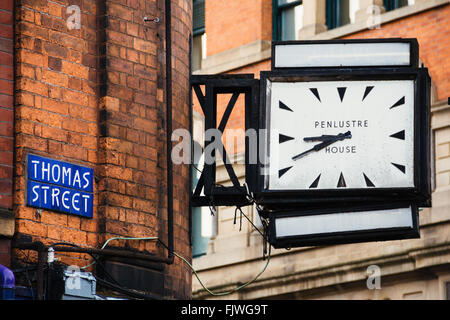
point(324, 144)
point(325, 137)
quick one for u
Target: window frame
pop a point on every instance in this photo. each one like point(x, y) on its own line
point(390, 5)
point(201, 30)
point(333, 14)
point(277, 9)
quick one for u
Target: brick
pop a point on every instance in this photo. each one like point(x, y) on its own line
point(27, 141)
point(119, 12)
point(120, 65)
point(26, 71)
point(33, 86)
point(116, 145)
point(75, 70)
point(119, 200)
point(33, 30)
point(6, 115)
point(55, 9)
point(145, 72)
point(32, 228)
point(7, 5)
point(144, 46)
point(119, 38)
point(132, 29)
point(75, 97)
point(6, 129)
point(6, 143)
point(109, 103)
point(6, 73)
point(6, 58)
point(6, 172)
point(6, 101)
point(33, 58)
point(75, 125)
point(56, 50)
point(55, 63)
point(55, 78)
point(55, 106)
point(54, 133)
point(119, 172)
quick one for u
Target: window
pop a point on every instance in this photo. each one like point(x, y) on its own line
point(287, 19)
point(337, 13)
point(395, 4)
point(340, 12)
point(204, 224)
point(199, 35)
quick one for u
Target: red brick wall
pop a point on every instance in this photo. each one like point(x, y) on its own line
point(96, 97)
point(56, 109)
point(233, 23)
point(6, 103)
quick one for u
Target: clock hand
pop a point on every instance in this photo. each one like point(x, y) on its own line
point(324, 144)
point(340, 136)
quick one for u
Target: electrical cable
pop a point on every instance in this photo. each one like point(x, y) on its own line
point(118, 287)
point(225, 292)
point(126, 291)
point(93, 257)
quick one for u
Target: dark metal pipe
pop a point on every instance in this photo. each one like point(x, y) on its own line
point(168, 14)
point(36, 246)
point(111, 253)
point(191, 178)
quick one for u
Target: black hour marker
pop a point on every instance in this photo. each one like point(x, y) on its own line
point(285, 107)
point(341, 92)
point(368, 182)
point(315, 183)
point(368, 89)
point(399, 167)
point(398, 103)
point(282, 138)
point(315, 92)
point(283, 171)
point(399, 135)
point(341, 182)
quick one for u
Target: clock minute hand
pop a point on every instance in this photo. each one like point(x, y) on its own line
point(317, 147)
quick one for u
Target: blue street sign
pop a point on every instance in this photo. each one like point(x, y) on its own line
point(60, 186)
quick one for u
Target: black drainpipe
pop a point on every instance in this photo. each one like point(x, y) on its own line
point(168, 10)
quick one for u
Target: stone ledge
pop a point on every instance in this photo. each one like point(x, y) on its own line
point(6, 222)
point(236, 58)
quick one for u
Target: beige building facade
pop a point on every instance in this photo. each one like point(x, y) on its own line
point(402, 269)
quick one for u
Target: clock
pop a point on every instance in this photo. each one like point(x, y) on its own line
point(345, 134)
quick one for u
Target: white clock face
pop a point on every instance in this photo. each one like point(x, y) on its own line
point(340, 134)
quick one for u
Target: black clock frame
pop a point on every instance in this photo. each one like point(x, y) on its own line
point(334, 238)
point(215, 85)
point(419, 195)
